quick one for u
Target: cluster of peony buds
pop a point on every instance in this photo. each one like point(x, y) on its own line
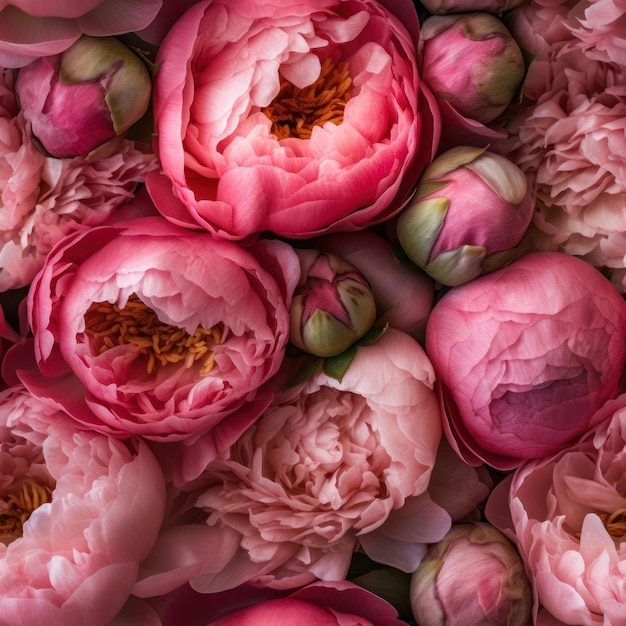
point(473, 576)
point(86, 98)
point(468, 216)
point(333, 305)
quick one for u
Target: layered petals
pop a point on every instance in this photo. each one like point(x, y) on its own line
point(146, 328)
point(92, 508)
point(262, 116)
point(330, 466)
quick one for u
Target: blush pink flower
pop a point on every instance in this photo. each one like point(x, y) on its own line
point(298, 120)
point(526, 356)
point(567, 514)
point(34, 28)
point(78, 512)
point(44, 198)
point(570, 142)
point(602, 29)
point(330, 467)
point(145, 328)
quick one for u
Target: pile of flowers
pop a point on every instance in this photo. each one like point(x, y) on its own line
point(308, 309)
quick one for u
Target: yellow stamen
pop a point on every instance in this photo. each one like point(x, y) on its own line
point(19, 507)
point(615, 523)
point(294, 112)
point(136, 324)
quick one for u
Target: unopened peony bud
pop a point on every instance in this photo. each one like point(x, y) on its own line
point(442, 7)
point(469, 213)
point(472, 577)
point(84, 98)
point(471, 61)
point(333, 305)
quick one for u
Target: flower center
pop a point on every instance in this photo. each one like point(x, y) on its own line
point(136, 324)
point(294, 112)
point(15, 509)
point(615, 523)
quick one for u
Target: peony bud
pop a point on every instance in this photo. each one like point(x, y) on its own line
point(469, 213)
point(473, 576)
point(84, 98)
point(333, 305)
point(471, 61)
point(442, 7)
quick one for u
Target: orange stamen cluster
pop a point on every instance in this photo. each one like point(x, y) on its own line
point(19, 508)
point(615, 523)
point(136, 324)
point(295, 112)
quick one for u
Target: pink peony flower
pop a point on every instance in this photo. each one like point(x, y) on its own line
point(34, 28)
point(298, 120)
point(602, 29)
point(330, 467)
point(332, 603)
point(567, 514)
point(45, 198)
point(146, 328)
point(526, 356)
point(78, 512)
point(570, 142)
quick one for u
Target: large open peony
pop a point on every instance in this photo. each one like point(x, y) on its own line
point(332, 466)
point(146, 328)
point(78, 512)
point(297, 119)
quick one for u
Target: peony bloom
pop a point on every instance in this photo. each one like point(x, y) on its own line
point(332, 603)
point(569, 141)
point(78, 512)
point(526, 355)
point(330, 467)
point(35, 28)
point(145, 328)
point(568, 518)
point(299, 120)
point(44, 198)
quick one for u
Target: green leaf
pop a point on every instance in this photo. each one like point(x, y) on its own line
point(372, 335)
point(336, 366)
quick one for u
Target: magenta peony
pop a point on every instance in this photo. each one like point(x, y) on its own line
point(330, 467)
point(146, 328)
point(299, 120)
point(78, 512)
point(526, 356)
point(45, 198)
point(568, 518)
point(34, 28)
